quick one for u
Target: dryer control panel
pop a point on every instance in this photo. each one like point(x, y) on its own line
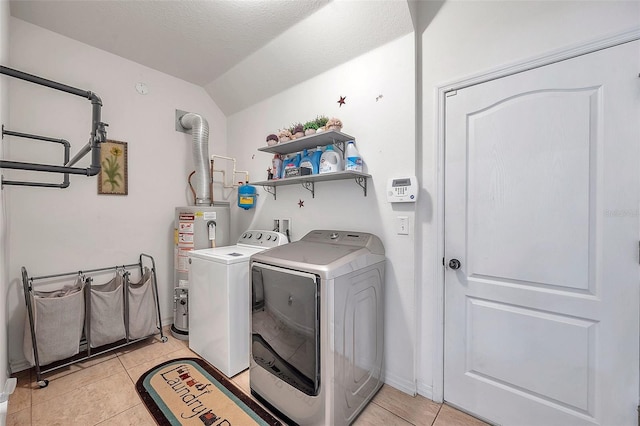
point(346, 238)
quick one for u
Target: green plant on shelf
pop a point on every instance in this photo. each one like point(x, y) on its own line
point(311, 125)
point(321, 121)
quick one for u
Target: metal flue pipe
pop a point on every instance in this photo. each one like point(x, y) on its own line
point(200, 135)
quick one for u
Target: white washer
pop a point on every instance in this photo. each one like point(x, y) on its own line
point(220, 300)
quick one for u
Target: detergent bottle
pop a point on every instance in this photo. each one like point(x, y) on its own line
point(330, 161)
point(276, 165)
point(315, 160)
point(307, 161)
point(353, 161)
point(291, 161)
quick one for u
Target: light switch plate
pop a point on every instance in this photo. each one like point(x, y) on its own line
point(402, 225)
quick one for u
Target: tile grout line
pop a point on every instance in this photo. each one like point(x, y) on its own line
point(124, 368)
point(134, 385)
point(34, 387)
point(437, 414)
point(389, 411)
point(408, 420)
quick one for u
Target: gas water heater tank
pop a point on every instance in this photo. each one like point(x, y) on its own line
point(195, 227)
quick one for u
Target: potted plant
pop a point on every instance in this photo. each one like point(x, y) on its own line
point(272, 139)
point(298, 130)
point(321, 122)
point(310, 127)
point(284, 135)
point(334, 124)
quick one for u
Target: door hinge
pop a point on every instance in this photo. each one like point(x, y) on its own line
point(451, 93)
point(639, 262)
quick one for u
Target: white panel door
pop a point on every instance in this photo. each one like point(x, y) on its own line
point(542, 191)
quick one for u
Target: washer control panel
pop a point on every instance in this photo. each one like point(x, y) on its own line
point(260, 238)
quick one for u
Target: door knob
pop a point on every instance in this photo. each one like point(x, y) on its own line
point(454, 264)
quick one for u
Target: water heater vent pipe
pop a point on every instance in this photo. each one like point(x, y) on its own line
point(200, 132)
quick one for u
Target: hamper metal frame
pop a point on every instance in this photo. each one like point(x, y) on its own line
point(86, 351)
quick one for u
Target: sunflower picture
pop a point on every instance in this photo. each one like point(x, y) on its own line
point(112, 178)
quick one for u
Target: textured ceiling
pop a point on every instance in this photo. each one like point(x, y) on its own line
point(241, 51)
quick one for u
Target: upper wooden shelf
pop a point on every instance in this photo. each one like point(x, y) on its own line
point(327, 137)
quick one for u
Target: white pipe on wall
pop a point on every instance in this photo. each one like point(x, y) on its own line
point(224, 183)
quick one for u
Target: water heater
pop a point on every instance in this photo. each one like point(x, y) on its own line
point(195, 227)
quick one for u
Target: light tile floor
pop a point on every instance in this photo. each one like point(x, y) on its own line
point(101, 391)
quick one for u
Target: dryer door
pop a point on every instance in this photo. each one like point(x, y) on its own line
point(285, 325)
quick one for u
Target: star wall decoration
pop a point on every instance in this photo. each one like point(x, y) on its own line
point(301, 204)
point(342, 100)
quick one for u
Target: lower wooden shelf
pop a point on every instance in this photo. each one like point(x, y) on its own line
point(308, 182)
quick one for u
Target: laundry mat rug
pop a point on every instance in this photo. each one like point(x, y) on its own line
point(188, 391)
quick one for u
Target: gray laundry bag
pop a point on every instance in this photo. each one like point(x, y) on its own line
point(142, 307)
point(58, 318)
point(107, 312)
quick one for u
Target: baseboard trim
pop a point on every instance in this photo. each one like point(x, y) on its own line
point(19, 365)
point(402, 384)
point(425, 390)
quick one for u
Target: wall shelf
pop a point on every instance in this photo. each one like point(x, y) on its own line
point(308, 182)
point(327, 137)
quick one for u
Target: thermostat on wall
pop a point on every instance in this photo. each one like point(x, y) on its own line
point(402, 190)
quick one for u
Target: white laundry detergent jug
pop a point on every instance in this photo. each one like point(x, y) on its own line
point(330, 161)
point(353, 160)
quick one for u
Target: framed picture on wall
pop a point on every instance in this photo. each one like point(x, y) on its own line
point(113, 178)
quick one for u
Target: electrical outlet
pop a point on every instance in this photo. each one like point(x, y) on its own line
point(285, 226)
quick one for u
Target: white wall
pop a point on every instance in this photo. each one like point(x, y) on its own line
point(467, 38)
point(4, 118)
point(385, 136)
point(54, 230)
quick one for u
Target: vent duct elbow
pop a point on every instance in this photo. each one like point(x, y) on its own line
point(200, 133)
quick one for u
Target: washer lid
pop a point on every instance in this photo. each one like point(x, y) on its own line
point(311, 253)
point(327, 253)
point(227, 254)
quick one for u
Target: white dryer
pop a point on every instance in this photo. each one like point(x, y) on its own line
point(317, 326)
point(219, 300)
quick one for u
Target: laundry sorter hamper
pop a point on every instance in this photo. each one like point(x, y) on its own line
point(81, 320)
point(57, 319)
point(106, 311)
point(140, 303)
